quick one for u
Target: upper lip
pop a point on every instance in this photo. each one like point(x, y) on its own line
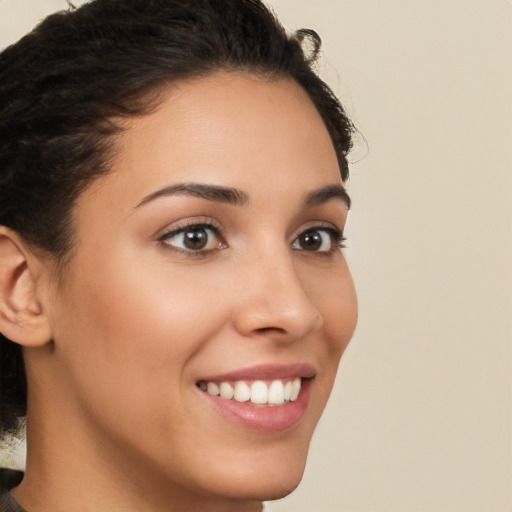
point(265, 372)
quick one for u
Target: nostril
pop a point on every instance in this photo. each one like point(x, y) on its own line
point(270, 330)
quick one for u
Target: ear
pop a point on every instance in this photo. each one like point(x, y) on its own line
point(22, 318)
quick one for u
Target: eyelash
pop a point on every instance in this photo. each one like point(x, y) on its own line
point(337, 238)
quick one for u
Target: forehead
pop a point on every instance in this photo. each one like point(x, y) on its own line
point(229, 128)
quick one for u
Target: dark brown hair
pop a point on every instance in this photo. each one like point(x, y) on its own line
point(62, 85)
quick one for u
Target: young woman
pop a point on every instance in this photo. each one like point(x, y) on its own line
point(174, 300)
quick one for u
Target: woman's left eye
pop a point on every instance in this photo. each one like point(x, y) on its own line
point(196, 238)
point(319, 240)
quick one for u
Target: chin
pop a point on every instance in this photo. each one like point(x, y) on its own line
point(282, 490)
point(271, 477)
point(266, 489)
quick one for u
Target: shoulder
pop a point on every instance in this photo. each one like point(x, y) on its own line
point(9, 478)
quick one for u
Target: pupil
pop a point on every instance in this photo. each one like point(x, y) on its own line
point(311, 241)
point(195, 238)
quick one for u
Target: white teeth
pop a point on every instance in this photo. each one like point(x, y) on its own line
point(288, 390)
point(226, 390)
point(242, 391)
point(295, 389)
point(212, 388)
point(276, 393)
point(258, 393)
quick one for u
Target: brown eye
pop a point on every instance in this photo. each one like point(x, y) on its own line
point(193, 238)
point(311, 241)
point(317, 240)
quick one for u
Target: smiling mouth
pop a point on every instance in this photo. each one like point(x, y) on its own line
point(257, 392)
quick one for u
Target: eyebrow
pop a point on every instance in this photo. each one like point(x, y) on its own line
point(209, 192)
point(237, 197)
point(324, 194)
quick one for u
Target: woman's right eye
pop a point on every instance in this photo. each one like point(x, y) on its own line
point(195, 238)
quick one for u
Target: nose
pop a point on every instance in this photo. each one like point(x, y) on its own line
point(274, 302)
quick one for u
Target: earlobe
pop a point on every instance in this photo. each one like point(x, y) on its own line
point(22, 318)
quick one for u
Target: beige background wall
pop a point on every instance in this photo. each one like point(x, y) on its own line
point(421, 416)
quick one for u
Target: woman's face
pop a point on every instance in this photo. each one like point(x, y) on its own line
point(208, 258)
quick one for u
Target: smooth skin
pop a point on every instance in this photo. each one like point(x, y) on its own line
point(115, 348)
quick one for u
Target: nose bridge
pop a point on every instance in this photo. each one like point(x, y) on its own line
point(274, 299)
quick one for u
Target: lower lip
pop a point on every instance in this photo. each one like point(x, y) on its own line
point(264, 419)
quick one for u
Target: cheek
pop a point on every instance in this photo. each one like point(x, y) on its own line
point(133, 321)
point(343, 313)
point(336, 300)
point(146, 300)
point(132, 330)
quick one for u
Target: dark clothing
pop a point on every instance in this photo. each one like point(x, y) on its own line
point(9, 478)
